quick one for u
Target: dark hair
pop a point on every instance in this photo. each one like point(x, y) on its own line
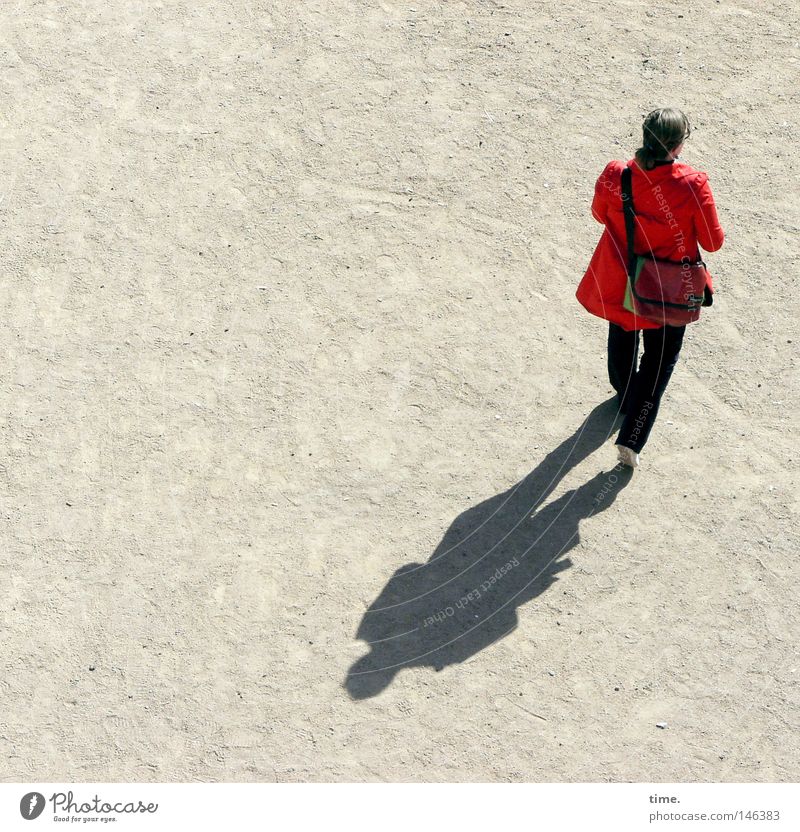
point(662, 131)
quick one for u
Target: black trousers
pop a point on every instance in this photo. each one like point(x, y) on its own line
point(640, 391)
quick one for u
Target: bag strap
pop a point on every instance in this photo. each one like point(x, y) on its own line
point(627, 208)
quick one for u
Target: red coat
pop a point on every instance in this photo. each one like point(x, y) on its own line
point(674, 212)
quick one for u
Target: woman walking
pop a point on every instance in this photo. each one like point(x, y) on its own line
point(675, 213)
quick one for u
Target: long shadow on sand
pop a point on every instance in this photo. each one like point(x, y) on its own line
point(494, 557)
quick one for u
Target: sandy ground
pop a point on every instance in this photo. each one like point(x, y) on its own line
point(289, 312)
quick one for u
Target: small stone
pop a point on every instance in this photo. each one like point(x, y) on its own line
point(661, 724)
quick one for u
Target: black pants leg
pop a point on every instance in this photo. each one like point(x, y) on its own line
point(623, 351)
point(661, 349)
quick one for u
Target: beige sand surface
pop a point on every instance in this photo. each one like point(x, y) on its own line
point(289, 306)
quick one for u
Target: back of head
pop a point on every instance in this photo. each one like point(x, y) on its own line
point(662, 131)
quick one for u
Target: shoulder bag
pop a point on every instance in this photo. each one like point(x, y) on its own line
point(661, 291)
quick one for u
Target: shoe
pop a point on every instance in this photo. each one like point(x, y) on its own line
point(628, 456)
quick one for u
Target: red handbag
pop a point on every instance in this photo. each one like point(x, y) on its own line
point(661, 291)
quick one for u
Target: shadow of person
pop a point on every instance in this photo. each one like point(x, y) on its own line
point(495, 557)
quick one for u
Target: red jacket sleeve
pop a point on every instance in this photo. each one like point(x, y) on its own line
point(602, 188)
point(706, 222)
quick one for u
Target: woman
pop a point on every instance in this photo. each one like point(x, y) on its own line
point(675, 212)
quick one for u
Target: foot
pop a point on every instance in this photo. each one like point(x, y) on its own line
point(628, 456)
